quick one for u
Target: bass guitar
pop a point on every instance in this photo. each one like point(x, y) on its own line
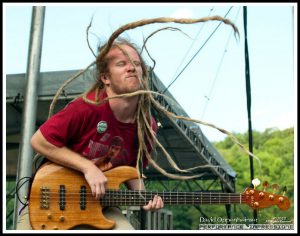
point(60, 198)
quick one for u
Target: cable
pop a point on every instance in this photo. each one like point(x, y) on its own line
point(18, 188)
point(218, 70)
point(192, 44)
point(196, 53)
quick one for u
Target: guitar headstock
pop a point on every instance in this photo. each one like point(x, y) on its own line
point(260, 199)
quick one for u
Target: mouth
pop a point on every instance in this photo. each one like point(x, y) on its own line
point(131, 76)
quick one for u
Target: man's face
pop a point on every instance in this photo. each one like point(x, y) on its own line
point(123, 76)
point(114, 151)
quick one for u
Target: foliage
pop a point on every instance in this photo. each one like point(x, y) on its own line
point(10, 187)
point(275, 150)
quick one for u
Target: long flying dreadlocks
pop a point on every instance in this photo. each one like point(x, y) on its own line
point(146, 96)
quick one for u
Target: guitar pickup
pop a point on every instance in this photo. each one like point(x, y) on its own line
point(82, 201)
point(62, 197)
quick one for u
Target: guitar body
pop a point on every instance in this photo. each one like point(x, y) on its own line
point(53, 206)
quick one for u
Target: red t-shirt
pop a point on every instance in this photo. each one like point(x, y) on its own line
point(94, 132)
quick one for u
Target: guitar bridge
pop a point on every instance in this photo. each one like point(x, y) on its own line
point(44, 197)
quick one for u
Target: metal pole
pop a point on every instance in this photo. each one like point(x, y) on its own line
point(30, 106)
point(248, 93)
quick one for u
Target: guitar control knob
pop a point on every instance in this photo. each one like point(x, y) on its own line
point(43, 226)
point(61, 218)
point(55, 227)
point(280, 199)
point(49, 216)
point(271, 197)
point(256, 204)
point(261, 194)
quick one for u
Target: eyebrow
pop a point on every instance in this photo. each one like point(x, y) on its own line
point(111, 58)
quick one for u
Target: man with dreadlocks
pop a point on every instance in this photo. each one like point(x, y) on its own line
point(91, 125)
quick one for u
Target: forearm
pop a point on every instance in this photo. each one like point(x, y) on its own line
point(60, 155)
point(68, 158)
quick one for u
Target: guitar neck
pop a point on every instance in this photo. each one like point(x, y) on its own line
point(140, 198)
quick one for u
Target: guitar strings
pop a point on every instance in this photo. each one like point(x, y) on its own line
point(168, 197)
point(150, 193)
point(119, 197)
point(144, 202)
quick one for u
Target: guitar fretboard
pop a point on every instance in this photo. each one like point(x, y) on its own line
point(140, 198)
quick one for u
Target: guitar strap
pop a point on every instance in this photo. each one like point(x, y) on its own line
point(38, 161)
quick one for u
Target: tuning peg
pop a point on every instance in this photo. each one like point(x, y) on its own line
point(275, 187)
point(284, 190)
point(255, 182)
point(265, 185)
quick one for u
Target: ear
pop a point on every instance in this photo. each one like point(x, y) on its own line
point(104, 78)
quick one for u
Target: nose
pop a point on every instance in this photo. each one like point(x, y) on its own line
point(130, 67)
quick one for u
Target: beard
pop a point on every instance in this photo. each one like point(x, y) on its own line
point(129, 88)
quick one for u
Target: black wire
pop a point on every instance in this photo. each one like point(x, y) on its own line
point(216, 76)
point(186, 54)
point(196, 53)
point(18, 188)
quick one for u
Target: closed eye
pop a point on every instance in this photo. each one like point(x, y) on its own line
point(121, 63)
point(137, 63)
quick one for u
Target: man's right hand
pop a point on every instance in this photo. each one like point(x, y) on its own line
point(96, 180)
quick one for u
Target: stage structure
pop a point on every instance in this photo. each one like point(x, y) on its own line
point(183, 140)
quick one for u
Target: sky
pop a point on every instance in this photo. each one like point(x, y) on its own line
point(212, 87)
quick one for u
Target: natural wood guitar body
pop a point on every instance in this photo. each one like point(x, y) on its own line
point(60, 198)
point(45, 211)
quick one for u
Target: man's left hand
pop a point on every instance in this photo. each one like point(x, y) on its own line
point(155, 204)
